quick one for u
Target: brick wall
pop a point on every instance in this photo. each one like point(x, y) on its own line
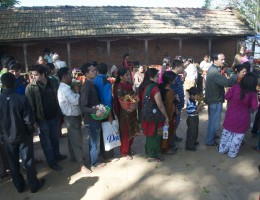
point(90, 50)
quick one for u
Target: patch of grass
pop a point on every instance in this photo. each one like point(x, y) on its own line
point(205, 190)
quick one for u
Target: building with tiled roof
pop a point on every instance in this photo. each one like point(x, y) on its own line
point(81, 34)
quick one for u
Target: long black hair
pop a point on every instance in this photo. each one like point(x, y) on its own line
point(167, 78)
point(238, 68)
point(248, 84)
point(150, 73)
point(121, 72)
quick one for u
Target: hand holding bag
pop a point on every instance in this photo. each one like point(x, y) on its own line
point(111, 134)
point(150, 112)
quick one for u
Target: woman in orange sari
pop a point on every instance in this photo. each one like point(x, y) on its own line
point(128, 123)
point(169, 100)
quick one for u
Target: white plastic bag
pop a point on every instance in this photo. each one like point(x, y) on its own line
point(111, 135)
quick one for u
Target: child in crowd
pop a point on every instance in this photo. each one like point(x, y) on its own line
point(241, 97)
point(193, 119)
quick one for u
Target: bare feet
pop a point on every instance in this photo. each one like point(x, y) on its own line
point(98, 165)
point(85, 170)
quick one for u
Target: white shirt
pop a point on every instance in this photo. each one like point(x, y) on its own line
point(205, 65)
point(191, 72)
point(68, 100)
point(59, 64)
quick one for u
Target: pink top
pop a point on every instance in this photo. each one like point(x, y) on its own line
point(237, 118)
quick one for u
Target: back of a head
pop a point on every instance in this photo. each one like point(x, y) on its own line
point(14, 65)
point(39, 68)
point(62, 72)
point(168, 77)
point(102, 68)
point(8, 80)
point(5, 59)
point(85, 68)
point(193, 91)
point(49, 67)
point(177, 63)
point(248, 82)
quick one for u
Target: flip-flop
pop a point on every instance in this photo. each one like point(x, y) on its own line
point(159, 159)
point(151, 159)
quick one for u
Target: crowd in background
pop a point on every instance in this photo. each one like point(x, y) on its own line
point(49, 95)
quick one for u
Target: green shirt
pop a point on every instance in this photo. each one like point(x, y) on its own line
point(215, 83)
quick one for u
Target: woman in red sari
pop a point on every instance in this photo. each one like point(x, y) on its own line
point(128, 123)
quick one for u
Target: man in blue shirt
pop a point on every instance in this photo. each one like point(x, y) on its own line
point(104, 90)
point(103, 86)
point(20, 82)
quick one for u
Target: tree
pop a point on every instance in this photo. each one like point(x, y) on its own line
point(8, 3)
point(247, 8)
point(250, 10)
point(207, 4)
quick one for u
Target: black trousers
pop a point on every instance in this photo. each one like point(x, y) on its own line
point(192, 131)
point(3, 161)
point(12, 151)
point(256, 122)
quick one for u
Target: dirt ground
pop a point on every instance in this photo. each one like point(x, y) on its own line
point(186, 175)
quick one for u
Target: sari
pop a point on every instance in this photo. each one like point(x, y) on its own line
point(128, 123)
point(152, 130)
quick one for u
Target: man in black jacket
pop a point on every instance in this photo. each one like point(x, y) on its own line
point(17, 127)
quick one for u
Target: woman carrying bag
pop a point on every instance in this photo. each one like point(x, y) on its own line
point(152, 127)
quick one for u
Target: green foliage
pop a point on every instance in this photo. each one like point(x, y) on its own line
point(249, 10)
point(207, 4)
point(246, 8)
point(8, 3)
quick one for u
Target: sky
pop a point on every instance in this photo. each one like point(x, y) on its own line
point(139, 3)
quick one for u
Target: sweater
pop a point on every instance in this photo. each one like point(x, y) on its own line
point(237, 118)
point(215, 83)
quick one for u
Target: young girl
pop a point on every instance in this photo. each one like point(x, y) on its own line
point(193, 119)
point(128, 123)
point(242, 97)
point(169, 99)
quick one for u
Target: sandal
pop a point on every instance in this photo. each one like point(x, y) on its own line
point(159, 159)
point(151, 159)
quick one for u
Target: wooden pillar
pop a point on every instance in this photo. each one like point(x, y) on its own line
point(68, 54)
point(180, 46)
point(146, 51)
point(238, 46)
point(209, 46)
point(25, 55)
point(108, 55)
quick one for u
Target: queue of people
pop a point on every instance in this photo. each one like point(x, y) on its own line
point(50, 97)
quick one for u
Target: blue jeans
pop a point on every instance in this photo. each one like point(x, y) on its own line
point(93, 130)
point(49, 138)
point(214, 112)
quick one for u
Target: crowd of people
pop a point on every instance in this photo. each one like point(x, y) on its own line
point(50, 97)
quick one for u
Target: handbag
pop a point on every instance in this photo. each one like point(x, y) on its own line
point(150, 112)
point(111, 134)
